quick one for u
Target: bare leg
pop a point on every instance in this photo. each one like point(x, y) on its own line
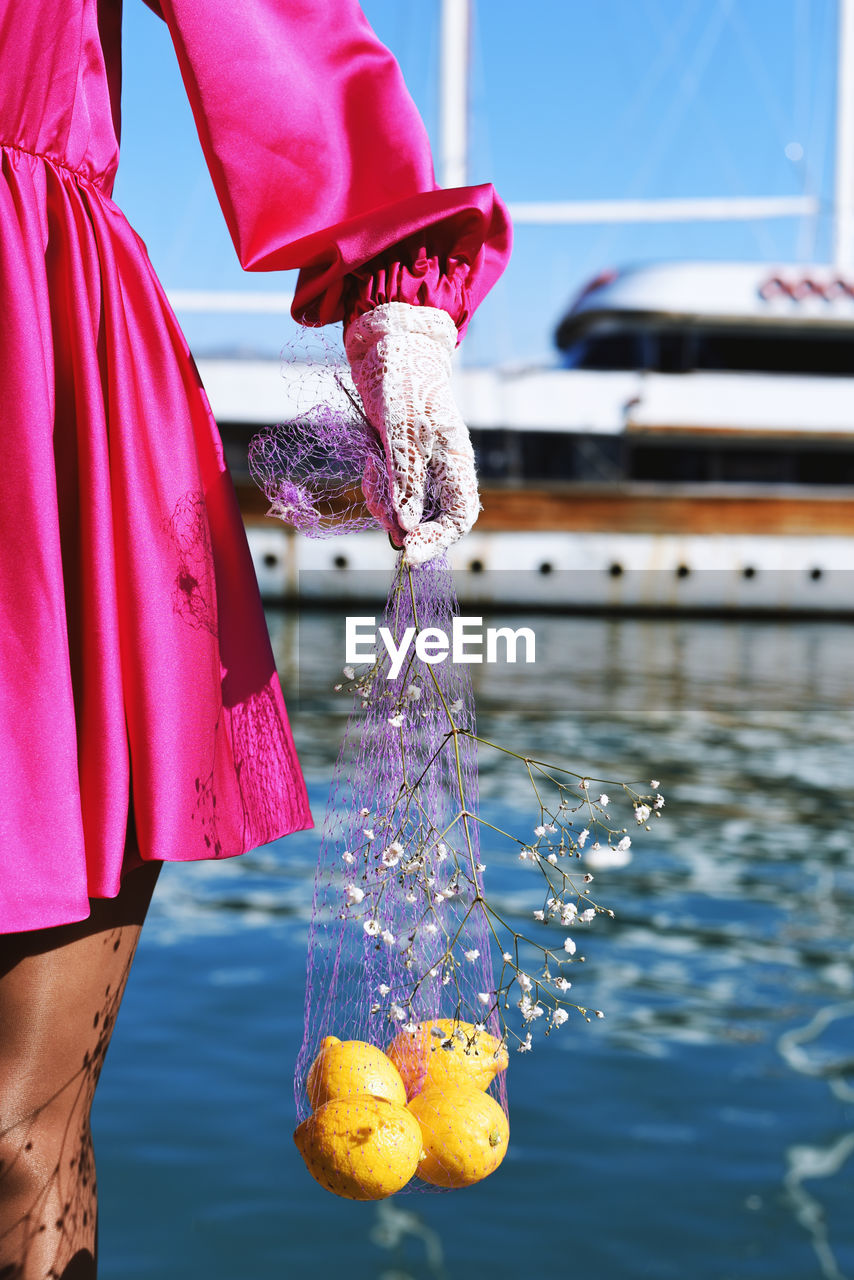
point(60, 991)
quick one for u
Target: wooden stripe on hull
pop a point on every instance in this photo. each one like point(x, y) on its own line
point(638, 508)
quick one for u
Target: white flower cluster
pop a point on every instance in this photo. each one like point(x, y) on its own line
point(399, 870)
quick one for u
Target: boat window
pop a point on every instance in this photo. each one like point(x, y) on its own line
point(605, 349)
point(674, 348)
point(668, 350)
point(665, 349)
point(766, 351)
point(719, 463)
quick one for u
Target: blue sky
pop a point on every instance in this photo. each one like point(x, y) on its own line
point(570, 100)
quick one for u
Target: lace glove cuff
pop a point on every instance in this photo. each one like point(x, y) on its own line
point(400, 357)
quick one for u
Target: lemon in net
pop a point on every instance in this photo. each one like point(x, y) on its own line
point(360, 1147)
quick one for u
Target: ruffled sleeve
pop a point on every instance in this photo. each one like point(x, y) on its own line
point(321, 162)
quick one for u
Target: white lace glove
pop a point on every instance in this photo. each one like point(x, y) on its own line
point(400, 357)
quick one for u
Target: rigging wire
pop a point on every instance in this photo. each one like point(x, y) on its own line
point(674, 36)
point(821, 138)
point(689, 82)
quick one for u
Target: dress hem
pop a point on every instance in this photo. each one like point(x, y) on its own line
point(72, 916)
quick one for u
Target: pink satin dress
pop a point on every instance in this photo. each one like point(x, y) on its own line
point(137, 684)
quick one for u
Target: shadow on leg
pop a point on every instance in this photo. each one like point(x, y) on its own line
point(60, 991)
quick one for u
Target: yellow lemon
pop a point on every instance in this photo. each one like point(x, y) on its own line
point(346, 1067)
point(359, 1147)
point(465, 1135)
point(443, 1054)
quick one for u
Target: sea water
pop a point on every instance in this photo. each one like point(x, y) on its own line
point(704, 1128)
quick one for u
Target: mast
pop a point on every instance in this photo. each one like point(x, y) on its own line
point(843, 204)
point(453, 92)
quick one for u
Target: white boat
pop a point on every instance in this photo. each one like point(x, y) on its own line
point(693, 448)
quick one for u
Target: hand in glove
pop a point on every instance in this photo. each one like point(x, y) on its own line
point(400, 357)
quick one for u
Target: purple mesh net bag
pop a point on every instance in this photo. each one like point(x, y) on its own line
point(400, 1081)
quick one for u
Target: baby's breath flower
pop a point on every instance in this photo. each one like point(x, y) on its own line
point(599, 1013)
point(392, 855)
point(530, 1011)
point(655, 784)
point(405, 842)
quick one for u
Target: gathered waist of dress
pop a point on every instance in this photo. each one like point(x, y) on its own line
point(103, 182)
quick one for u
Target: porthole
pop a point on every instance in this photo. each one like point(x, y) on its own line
point(340, 562)
point(270, 560)
point(682, 571)
point(615, 569)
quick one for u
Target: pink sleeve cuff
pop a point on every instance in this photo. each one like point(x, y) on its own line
point(441, 248)
point(423, 280)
